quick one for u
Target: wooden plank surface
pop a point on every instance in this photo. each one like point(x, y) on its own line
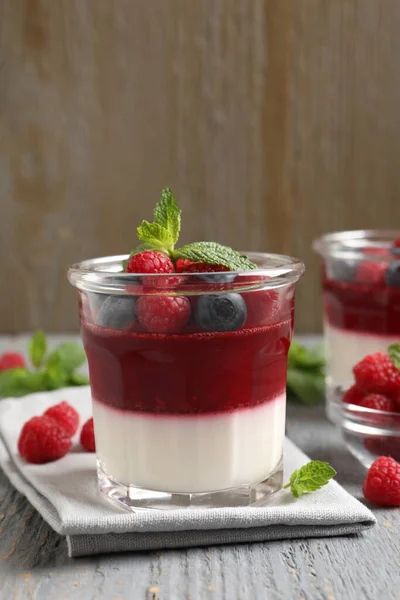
point(272, 122)
point(34, 562)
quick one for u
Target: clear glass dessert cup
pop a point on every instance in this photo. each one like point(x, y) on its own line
point(367, 433)
point(361, 300)
point(188, 380)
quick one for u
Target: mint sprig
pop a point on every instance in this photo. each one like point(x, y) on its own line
point(163, 234)
point(394, 353)
point(305, 375)
point(310, 478)
point(53, 371)
point(214, 254)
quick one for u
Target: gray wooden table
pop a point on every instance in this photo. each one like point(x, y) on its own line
point(34, 562)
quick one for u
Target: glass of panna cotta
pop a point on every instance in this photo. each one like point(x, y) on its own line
point(361, 299)
point(189, 412)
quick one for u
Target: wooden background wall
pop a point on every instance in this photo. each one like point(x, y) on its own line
point(272, 121)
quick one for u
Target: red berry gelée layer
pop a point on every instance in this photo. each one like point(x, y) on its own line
point(187, 374)
point(362, 307)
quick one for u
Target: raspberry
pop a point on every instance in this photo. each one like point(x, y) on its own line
point(354, 395)
point(377, 374)
point(150, 261)
point(382, 484)
point(371, 272)
point(11, 360)
point(65, 415)
point(396, 243)
point(43, 440)
point(87, 436)
point(163, 314)
point(262, 308)
point(200, 267)
point(379, 402)
point(182, 265)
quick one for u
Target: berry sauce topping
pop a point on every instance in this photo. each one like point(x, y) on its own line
point(188, 373)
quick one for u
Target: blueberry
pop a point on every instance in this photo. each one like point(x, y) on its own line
point(214, 278)
point(96, 301)
point(395, 251)
point(221, 313)
point(117, 312)
point(392, 274)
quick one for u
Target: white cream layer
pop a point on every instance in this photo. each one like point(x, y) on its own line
point(190, 454)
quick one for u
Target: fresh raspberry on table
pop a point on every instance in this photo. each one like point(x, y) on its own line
point(150, 261)
point(43, 440)
point(163, 314)
point(354, 395)
point(65, 415)
point(379, 402)
point(87, 436)
point(371, 272)
point(376, 373)
point(11, 360)
point(382, 484)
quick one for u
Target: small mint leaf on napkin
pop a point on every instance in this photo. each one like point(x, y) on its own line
point(213, 253)
point(309, 478)
point(168, 214)
point(394, 353)
point(38, 348)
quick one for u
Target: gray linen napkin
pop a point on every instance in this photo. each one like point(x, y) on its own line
point(65, 494)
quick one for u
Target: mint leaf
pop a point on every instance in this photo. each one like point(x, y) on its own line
point(19, 382)
point(300, 356)
point(168, 214)
point(67, 357)
point(55, 376)
point(78, 379)
point(37, 348)
point(309, 478)
point(214, 254)
point(307, 386)
point(394, 353)
point(156, 235)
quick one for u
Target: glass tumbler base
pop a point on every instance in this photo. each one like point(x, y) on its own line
point(134, 498)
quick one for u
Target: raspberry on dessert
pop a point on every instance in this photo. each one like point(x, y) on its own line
point(382, 484)
point(11, 360)
point(43, 440)
point(182, 265)
point(371, 272)
point(376, 373)
point(163, 314)
point(262, 308)
point(87, 436)
point(354, 395)
point(150, 261)
point(65, 415)
point(379, 402)
point(396, 243)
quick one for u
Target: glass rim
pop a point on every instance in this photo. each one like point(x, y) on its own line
point(350, 244)
point(274, 270)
